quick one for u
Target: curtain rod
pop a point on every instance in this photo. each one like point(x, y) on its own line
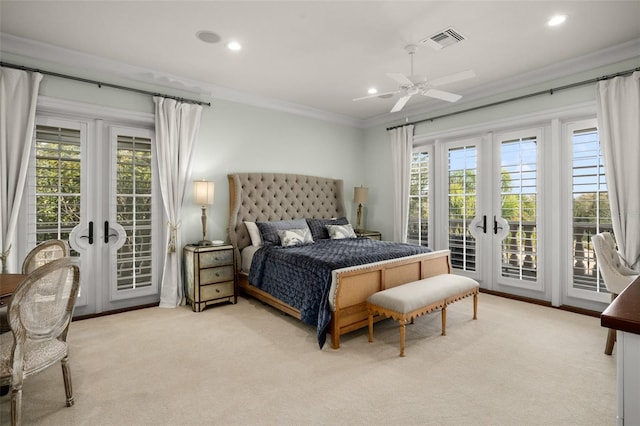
point(517, 98)
point(100, 84)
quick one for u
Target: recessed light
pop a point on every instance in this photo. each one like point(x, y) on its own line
point(556, 20)
point(208, 36)
point(234, 45)
point(372, 91)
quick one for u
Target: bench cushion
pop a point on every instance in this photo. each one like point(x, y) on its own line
point(417, 294)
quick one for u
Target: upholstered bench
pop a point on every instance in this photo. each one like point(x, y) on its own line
point(409, 301)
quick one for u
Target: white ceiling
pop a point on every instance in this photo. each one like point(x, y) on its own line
point(318, 55)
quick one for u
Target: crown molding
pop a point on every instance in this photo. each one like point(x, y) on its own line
point(75, 59)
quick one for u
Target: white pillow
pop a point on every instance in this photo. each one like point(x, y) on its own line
point(254, 233)
point(295, 237)
point(338, 232)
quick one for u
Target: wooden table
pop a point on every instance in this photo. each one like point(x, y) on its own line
point(8, 285)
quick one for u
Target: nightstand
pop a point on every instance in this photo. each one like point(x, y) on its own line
point(374, 235)
point(209, 275)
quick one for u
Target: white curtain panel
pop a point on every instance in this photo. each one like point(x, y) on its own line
point(618, 109)
point(177, 126)
point(18, 98)
point(401, 149)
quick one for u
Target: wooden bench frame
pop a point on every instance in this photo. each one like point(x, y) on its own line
point(403, 318)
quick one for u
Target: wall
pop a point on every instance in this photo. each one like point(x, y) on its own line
point(238, 138)
point(233, 138)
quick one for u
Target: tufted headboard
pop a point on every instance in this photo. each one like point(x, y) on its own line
point(279, 196)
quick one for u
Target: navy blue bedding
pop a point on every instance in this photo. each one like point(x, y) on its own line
point(301, 275)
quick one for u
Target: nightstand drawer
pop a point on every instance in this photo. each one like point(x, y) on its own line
point(216, 275)
point(216, 258)
point(216, 291)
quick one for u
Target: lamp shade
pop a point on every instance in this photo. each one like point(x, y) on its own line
point(360, 194)
point(203, 192)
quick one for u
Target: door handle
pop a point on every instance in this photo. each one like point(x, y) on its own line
point(90, 236)
point(495, 226)
point(484, 224)
point(106, 232)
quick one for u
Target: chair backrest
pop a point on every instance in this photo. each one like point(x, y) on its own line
point(615, 275)
point(44, 253)
point(42, 306)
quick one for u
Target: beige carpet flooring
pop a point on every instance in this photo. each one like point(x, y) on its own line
point(245, 364)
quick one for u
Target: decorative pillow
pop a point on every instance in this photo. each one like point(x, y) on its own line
point(269, 230)
point(294, 237)
point(319, 227)
point(337, 232)
point(254, 233)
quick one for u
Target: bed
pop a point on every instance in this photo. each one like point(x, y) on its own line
point(262, 197)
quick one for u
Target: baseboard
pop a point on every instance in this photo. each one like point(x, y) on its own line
point(568, 308)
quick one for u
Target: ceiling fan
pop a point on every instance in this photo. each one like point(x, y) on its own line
point(415, 84)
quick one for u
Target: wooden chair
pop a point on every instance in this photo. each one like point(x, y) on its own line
point(44, 253)
point(615, 275)
point(40, 312)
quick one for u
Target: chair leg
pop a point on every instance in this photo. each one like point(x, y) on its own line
point(16, 406)
point(611, 335)
point(66, 375)
point(611, 340)
point(370, 327)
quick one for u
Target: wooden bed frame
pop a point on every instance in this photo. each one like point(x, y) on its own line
point(272, 196)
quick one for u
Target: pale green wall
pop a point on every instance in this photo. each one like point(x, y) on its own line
point(233, 138)
point(377, 153)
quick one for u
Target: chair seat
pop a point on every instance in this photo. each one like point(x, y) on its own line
point(38, 355)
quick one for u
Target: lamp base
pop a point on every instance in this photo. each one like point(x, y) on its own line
point(203, 243)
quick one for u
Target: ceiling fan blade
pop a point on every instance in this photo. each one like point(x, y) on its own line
point(439, 94)
point(400, 78)
point(401, 103)
point(451, 78)
point(376, 95)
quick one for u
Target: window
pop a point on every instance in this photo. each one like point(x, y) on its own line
point(462, 172)
point(57, 182)
point(518, 200)
point(418, 229)
point(134, 211)
point(590, 206)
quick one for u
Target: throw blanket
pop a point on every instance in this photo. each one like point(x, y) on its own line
point(301, 275)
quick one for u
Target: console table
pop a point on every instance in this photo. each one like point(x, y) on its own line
point(623, 315)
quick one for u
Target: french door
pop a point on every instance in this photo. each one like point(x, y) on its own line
point(491, 209)
point(93, 183)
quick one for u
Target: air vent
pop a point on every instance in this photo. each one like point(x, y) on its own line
point(443, 39)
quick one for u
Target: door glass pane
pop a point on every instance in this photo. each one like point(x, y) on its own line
point(57, 180)
point(133, 211)
point(518, 189)
point(418, 230)
point(462, 206)
point(591, 213)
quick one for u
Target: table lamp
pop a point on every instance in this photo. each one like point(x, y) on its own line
point(360, 197)
point(203, 195)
